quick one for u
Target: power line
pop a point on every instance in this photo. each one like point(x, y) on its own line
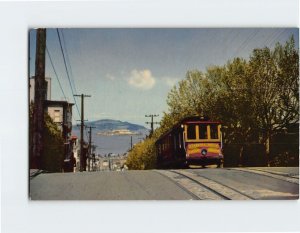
point(270, 38)
point(68, 60)
point(67, 72)
point(277, 38)
point(246, 42)
point(52, 64)
point(55, 73)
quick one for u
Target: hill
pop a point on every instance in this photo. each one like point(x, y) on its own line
point(113, 136)
point(108, 124)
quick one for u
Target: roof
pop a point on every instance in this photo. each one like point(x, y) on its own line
point(57, 102)
point(189, 119)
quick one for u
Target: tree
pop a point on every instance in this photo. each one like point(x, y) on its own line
point(275, 89)
point(256, 101)
point(53, 154)
point(142, 156)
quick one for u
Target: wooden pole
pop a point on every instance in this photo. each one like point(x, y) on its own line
point(39, 98)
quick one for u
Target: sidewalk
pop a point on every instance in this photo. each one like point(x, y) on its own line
point(34, 172)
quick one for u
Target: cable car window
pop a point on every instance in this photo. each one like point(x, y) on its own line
point(214, 132)
point(191, 131)
point(203, 131)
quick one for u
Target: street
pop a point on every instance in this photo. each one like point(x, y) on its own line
point(189, 184)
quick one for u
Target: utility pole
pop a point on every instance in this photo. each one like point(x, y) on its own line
point(130, 142)
point(39, 98)
point(81, 129)
point(152, 123)
point(90, 145)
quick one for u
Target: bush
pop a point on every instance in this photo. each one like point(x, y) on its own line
point(142, 156)
point(53, 153)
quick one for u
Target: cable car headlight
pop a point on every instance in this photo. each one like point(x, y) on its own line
point(204, 152)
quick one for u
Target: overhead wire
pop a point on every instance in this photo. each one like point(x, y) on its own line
point(67, 72)
point(52, 65)
point(270, 38)
point(69, 63)
point(68, 59)
point(246, 42)
point(70, 69)
point(51, 62)
point(269, 41)
point(276, 39)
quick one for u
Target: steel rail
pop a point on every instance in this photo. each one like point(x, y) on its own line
point(180, 186)
point(235, 190)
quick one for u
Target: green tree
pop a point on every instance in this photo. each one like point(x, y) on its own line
point(256, 100)
point(274, 78)
point(142, 156)
point(53, 153)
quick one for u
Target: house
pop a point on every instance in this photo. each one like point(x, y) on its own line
point(61, 114)
point(31, 89)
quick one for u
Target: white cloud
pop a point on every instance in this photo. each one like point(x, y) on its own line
point(170, 81)
point(141, 79)
point(110, 77)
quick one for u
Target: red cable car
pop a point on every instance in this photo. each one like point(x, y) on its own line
point(193, 141)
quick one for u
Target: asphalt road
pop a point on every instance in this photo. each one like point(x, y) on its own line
point(128, 185)
point(255, 185)
point(188, 184)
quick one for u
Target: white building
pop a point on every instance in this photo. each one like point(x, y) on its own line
point(31, 89)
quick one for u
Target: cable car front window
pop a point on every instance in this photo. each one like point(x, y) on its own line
point(203, 131)
point(214, 132)
point(191, 131)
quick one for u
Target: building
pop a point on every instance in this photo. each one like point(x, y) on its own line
point(61, 114)
point(31, 89)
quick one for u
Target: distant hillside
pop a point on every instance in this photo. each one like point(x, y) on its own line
point(109, 125)
point(107, 139)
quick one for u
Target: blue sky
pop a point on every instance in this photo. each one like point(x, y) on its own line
point(129, 72)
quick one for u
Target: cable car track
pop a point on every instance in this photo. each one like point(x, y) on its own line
point(231, 192)
point(203, 187)
point(196, 197)
point(234, 189)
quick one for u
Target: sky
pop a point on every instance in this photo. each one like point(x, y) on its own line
point(128, 72)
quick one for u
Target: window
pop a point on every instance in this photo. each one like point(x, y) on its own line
point(56, 116)
point(203, 131)
point(214, 132)
point(191, 131)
